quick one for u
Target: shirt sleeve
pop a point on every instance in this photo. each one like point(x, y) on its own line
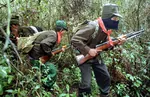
point(81, 38)
point(48, 43)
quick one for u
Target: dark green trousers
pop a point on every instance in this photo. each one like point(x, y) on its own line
point(101, 74)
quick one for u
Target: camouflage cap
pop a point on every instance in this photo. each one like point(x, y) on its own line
point(62, 24)
point(14, 20)
point(109, 10)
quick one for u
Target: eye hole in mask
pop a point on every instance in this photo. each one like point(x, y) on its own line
point(115, 18)
point(111, 24)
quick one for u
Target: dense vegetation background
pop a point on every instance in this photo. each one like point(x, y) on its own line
point(128, 64)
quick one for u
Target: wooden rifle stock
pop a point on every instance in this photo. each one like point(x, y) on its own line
point(55, 51)
point(44, 59)
point(81, 58)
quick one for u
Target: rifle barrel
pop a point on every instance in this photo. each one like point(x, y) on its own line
point(133, 34)
point(128, 36)
point(114, 39)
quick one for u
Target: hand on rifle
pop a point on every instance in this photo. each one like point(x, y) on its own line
point(63, 48)
point(93, 52)
point(17, 38)
point(53, 53)
point(122, 39)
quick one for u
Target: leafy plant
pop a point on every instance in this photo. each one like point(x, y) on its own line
point(5, 78)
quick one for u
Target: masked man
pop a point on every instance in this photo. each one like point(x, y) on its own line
point(89, 35)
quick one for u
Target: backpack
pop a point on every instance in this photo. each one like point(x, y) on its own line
point(25, 44)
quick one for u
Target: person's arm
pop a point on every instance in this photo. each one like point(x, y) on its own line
point(80, 39)
point(48, 43)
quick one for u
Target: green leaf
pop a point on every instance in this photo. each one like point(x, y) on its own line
point(12, 91)
point(148, 48)
point(37, 87)
point(7, 69)
point(8, 95)
point(148, 89)
point(137, 93)
point(67, 87)
point(126, 95)
point(132, 78)
point(3, 73)
point(10, 78)
point(1, 89)
point(9, 91)
point(148, 43)
point(137, 83)
point(63, 95)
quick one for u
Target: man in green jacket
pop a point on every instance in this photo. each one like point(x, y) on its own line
point(85, 40)
point(45, 42)
point(42, 49)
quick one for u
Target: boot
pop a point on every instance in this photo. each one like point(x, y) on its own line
point(82, 92)
point(102, 95)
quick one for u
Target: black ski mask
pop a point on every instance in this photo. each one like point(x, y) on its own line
point(110, 24)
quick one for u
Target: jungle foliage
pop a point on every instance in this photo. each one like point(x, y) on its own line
point(128, 64)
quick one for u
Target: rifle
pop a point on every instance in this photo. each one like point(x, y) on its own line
point(81, 58)
point(44, 59)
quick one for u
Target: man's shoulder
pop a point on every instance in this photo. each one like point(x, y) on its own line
point(48, 32)
point(94, 23)
point(91, 25)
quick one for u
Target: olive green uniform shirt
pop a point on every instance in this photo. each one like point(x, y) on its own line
point(43, 44)
point(83, 39)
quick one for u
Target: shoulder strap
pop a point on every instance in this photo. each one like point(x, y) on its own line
point(95, 23)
